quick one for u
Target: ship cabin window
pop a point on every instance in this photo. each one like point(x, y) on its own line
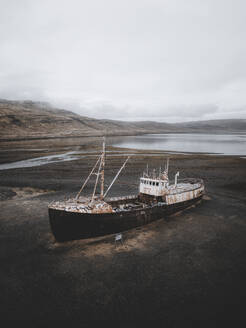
point(157, 183)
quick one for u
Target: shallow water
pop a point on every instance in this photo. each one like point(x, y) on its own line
point(38, 161)
point(176, 143)
point(69, 156)
point(226, 144)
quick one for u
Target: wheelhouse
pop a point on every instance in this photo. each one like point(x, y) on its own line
point(153, 187)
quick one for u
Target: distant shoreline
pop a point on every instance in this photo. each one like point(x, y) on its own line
point(114, 135)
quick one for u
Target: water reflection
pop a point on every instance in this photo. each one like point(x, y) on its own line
point(229, 144)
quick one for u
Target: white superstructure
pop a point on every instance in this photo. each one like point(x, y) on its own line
point(153, 187)
point(153, 184)
point(158, 186)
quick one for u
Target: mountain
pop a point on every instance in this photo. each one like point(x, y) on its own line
point(216, 126)
point(29, 119)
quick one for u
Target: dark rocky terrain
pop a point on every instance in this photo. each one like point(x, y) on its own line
point(187, 270)
point(36, 120)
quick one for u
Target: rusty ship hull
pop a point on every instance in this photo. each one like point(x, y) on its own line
point(67, 225)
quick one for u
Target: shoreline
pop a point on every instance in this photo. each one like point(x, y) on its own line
point(125, 134)
point(76, 155)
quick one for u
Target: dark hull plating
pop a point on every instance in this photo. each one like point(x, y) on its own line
point(71, 225)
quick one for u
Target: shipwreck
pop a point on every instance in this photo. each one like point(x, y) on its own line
point(86, 217)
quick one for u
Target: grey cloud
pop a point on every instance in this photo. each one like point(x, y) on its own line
point(139, 59)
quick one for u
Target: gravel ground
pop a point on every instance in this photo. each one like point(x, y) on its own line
point(187, 270)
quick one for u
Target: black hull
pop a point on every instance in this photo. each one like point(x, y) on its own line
point(71, 225)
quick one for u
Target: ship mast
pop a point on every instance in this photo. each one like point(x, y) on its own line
point(97, 174)
point(102, 170)
point(101, 161)
point(87, 179)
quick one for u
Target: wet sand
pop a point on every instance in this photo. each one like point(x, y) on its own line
point(187, 270)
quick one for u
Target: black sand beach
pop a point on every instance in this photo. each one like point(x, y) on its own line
point(187, 270)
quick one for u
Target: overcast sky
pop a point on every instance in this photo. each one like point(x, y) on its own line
point(168, 60)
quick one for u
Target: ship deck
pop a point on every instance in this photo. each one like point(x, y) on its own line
point(110, 205)
point(121, 204)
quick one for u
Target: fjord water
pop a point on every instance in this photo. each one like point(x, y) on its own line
point(226, 144)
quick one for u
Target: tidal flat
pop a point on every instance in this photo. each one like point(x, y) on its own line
point(187, 270)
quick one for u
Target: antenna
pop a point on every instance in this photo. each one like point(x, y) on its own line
point(102, 170)
point(167, 164)
point(176, 178)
